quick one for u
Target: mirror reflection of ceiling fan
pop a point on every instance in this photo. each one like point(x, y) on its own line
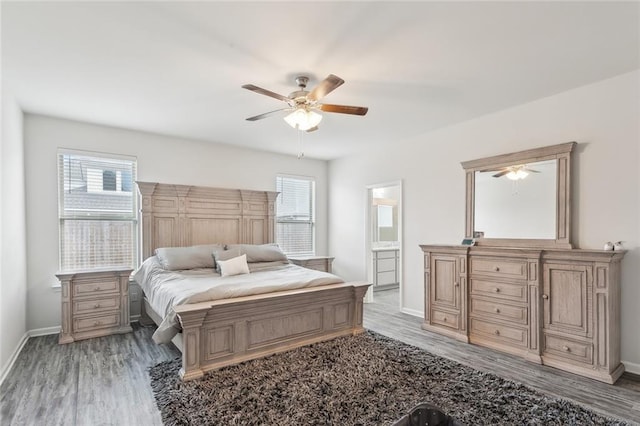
point(515, 172)
point(303, 104)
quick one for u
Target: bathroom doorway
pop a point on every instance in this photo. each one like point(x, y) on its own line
point(384, 243)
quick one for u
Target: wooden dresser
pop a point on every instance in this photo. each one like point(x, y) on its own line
point(559, 307)
point(94, 303)
point(319, 263)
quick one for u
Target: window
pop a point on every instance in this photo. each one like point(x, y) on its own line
point(97, 210)
point(295, 214)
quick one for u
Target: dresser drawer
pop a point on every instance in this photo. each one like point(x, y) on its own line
point(498, 310)
point(506, 268)
point(386, 254)
point(383, 265)
point(97, 322)
point(95, 287)
point(446, 319)
point(512, 336)
point(499, 290)
point(567, 348)
point(84, 306)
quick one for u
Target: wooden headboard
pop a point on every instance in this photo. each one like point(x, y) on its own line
point(183, 215)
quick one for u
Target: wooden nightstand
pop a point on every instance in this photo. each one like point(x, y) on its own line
point(319, 263)
point(94, 303)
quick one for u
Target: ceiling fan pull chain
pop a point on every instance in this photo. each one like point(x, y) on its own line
point(300, 147)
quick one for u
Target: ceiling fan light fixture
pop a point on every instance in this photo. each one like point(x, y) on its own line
point(517, 174)
point(303, 119)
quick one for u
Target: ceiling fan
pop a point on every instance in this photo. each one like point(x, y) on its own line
point(515, 172)
point(303, 104)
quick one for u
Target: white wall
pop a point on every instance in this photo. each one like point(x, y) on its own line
point(160, 159)
point(13, 269)
point(603, 118)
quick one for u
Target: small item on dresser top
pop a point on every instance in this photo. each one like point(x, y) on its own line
point(468, 242)
point(618, 246)
point(608, 246)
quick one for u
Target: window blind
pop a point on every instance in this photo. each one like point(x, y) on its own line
point(97, 211)
point(295, 214)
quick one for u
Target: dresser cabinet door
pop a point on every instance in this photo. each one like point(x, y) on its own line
point(566, 298)
point(445, 281)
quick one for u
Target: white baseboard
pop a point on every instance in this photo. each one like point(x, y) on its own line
point(14, 356)
point(631, 367)
point(412, 312)
point(44, 331)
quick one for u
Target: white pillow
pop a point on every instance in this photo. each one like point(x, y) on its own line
point(236, 266)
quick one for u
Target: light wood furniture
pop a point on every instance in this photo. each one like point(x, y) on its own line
point(319, 263)
point(94, 303)
point(223, 332)
point(445, 297)
point(385, 268)
point(536, 298)
point(558, 307)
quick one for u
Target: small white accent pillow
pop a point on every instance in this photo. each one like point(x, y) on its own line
point(236, 266)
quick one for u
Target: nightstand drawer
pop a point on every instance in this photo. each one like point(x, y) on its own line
point(89, 288)
point(96, 305)
point(507, 268)
point(97, 322)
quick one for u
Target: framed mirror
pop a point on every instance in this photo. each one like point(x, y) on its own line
point(520, 198)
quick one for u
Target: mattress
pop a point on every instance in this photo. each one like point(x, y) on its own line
point(165, 289)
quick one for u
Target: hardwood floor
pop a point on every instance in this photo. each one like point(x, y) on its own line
point(104, 381)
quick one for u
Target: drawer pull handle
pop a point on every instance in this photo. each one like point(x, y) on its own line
point(497, 311)
point(444, 319)
point(497, 332)
point(566, 348)
point(96, 306)
point(457, 284)
point(96, 288)
point(496, 269)
point(545, 296)
point(97, 323)
point(497, 290)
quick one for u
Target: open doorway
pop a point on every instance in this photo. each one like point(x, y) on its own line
point(384, 243)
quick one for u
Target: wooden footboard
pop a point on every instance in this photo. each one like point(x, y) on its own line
point(224, 332)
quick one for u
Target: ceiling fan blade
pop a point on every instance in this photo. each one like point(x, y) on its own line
point(313, 129)
point(530, 170)
point(265, 115)
point(344, 109)
point(325, 87)
point(265, 92)
point(502, 173)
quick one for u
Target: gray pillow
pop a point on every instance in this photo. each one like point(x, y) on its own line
point(223, 255)
point(178, 258)
point(260, 252)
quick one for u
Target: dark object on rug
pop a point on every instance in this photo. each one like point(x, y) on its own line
point(426, 415)
point(367, 379)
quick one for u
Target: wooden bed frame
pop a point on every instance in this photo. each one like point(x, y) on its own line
point(229, 331)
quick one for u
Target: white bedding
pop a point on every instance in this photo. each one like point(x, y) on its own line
point(166, 289)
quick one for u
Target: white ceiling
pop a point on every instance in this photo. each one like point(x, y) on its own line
point(176, 68)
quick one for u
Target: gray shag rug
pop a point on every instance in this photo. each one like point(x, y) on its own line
point(367, 379)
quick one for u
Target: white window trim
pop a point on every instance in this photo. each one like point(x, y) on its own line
point(313, 209)
point(136, 210)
